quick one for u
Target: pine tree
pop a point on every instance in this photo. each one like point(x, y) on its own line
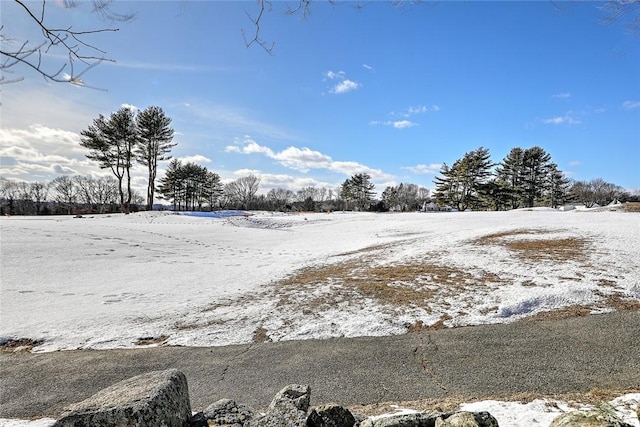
point(170, 185)
point(112, 142)
point(536, 168)
point(460, 185)
point(510, 176)
point(155, 142)
point(360, 190)
point(558, 187)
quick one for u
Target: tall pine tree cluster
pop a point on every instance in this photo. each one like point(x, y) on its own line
point(190, 186)
point(524, 178)
point(119, 141)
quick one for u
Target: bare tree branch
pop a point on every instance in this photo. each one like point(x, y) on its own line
point(73, 45)
point(623, 12)
point(264, 5)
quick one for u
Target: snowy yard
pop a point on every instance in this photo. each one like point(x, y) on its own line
point(118, 281)
point(148, 278)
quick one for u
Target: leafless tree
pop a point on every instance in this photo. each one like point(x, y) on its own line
point(65, 192)
point(280, 198)
point(72, 44)
point(38, 192)
point(243, 190)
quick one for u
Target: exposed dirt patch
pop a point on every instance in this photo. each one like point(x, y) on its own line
point(538, 249)
point(19, 345)
point(151, 340)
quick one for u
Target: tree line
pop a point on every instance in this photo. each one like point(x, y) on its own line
point(523, 179)
point(64, 195)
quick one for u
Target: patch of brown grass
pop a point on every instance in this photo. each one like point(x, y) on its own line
point(19, 345)
point(619, 302)
point(420, 326)
point(532, 249)
point(151, 340)
point(412, 284)
point(632, 207)
point(568, 312)
point(260, 335)
point(615, 301)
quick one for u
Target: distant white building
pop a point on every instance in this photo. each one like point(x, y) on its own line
point(433, 207)
point(566, 208)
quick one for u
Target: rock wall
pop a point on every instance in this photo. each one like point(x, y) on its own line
point(161, 399)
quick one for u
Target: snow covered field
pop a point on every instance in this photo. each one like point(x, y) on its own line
point(118, 281)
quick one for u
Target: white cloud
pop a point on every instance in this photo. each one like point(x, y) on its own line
point(343, 85)
point(130, 107)
point(196, 158)
point(41, 153)
point(340, 75)
point(561, 120)
point(403, 124)
point(305, 159)
point(422, 169)
point(564, 95)
point(574, 163)
point(630, 105)
point(413, 110)
point(398, 124)
point(368, 67)
point(270, 181)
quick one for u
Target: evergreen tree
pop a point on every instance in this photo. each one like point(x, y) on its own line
point(510, 176)
point(155, 142)
point(170, 185)
point(460, 185)
point(390, 198)
point(359, 190)
point(213, 188)
point(558, 187)
point(536, 167)
point(111, 142)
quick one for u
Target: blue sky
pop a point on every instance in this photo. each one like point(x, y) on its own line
point(390, 91)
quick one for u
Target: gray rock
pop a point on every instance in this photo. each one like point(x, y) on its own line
point(467, 419)
point(590, 418)
point(159, 398)
point(287, 409)
point(198, 420)
point(420, 419)
point(330, 416)
point(226, 412)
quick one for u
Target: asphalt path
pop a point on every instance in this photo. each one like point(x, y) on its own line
point(547, 357)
